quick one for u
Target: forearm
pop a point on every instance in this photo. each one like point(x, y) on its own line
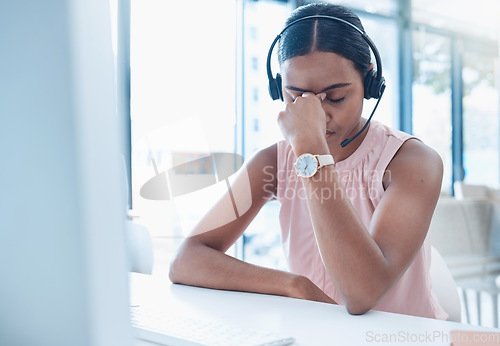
point(351, 257)
point(199, 265)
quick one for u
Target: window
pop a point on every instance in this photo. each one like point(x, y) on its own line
point(432, 96)
point(383, 32)
point(383, 7)
point(480, 18)
point(182, 104)
point(262, 21)
point(456, 62)
point(481, 126)
point(455, 57)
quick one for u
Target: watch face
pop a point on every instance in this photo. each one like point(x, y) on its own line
point(306, 165)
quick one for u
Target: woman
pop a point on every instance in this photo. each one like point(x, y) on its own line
point(355, 231)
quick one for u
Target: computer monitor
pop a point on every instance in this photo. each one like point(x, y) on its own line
point(63, 270)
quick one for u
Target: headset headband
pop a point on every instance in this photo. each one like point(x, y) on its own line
point(363, 34)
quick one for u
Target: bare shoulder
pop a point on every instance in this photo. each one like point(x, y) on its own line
point(265, 157)
point(415, 162)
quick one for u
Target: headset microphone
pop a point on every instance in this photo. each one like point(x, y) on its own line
point(349, 140)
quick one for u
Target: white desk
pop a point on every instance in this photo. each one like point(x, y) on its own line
point(310, 323)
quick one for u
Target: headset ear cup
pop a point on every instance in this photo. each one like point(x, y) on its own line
point(368, 83)
point(279, 86)
point(275, 88)
point(273, 91)
point(378, 87)
point(374, 86)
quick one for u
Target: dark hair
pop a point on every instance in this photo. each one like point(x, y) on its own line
point(325, 35)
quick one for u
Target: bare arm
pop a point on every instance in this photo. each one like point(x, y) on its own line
point(201, 259)
point(364, 263)
point(365, 266)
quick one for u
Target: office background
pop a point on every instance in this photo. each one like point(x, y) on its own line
point(198, 85)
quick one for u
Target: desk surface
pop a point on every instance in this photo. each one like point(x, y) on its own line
point(310, 323)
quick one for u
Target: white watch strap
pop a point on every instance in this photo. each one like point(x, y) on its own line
point(325, 160)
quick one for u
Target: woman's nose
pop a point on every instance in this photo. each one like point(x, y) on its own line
point(325, 109)
point(328, 116)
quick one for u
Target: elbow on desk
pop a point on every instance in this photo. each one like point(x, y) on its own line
point(359, 306)
point(191, 265)
point(172, 274)
point(181, 265)
point(357, 309)
point(365, 296)
point(175, 270)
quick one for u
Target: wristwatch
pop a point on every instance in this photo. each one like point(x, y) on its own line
point(308, 164)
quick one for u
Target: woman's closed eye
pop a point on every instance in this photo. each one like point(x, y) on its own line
point(332, 100)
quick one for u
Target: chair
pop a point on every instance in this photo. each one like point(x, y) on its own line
point(463, 190)
point(444, 287)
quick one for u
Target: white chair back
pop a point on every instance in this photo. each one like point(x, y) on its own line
point(444, 287)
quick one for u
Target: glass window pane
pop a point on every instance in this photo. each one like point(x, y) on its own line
point(384, 35)
point(482, 18)
point(263, 20)
point(385, 7)
point(432, 96)
point(182, 104)
point(480, 105)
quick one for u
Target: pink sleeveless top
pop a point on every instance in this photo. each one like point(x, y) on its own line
point(361, 175)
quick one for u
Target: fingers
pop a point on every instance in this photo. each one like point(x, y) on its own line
point(308, 94)
point(320, 96)
point(293, 99)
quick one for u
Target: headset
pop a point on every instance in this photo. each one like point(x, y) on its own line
point(374, 82)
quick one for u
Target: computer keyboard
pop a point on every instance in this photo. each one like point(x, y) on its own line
point(167, 329)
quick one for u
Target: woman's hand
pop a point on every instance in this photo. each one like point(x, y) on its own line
point(303, 288)
point(303, 121)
